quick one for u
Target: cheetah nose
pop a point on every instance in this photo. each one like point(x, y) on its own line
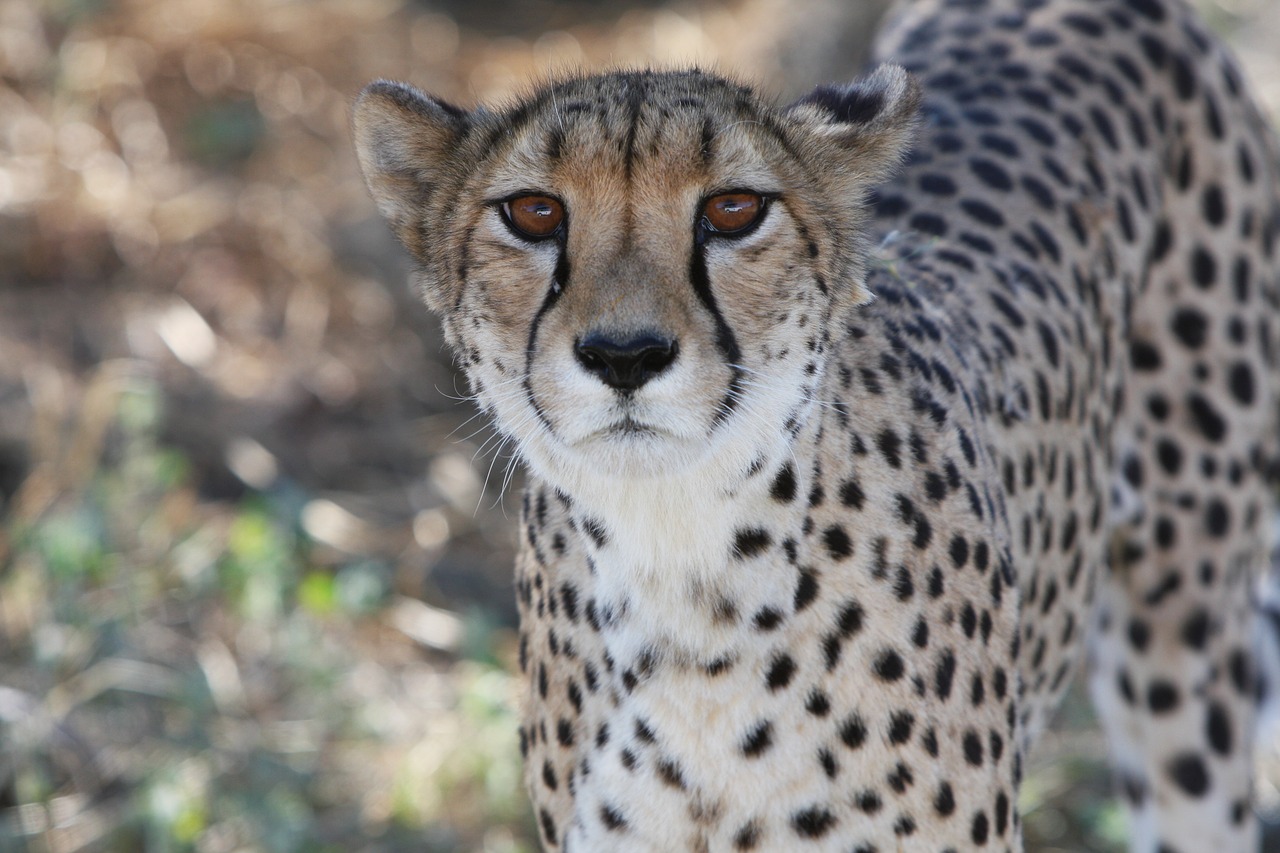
point(625, 365)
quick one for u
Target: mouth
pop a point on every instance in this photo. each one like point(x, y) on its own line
point(629, 427)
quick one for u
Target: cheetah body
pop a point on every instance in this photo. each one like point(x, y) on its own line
point(925, 445)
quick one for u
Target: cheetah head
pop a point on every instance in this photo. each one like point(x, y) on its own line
point(640, 271)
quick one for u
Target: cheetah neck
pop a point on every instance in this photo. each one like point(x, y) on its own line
point(678, 561)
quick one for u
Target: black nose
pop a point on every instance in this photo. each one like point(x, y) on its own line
point(625, 365)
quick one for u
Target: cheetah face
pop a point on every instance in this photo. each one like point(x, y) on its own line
point(639, 272)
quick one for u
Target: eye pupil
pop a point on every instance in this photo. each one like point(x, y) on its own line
point(534, 217)
point(732, 213)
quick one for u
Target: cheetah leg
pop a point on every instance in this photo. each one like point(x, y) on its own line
point(1172, 675)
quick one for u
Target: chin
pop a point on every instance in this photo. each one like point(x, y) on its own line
point(637, 453)
point(618, 455)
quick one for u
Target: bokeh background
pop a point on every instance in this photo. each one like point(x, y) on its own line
point(254, 550)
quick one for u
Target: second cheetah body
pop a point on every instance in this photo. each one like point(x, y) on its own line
point(816, 578)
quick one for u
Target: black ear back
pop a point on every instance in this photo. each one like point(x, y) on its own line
point(872, 118)
point(849, 104)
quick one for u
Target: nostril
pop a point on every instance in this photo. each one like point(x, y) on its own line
point(657, 357)
point(627, 364)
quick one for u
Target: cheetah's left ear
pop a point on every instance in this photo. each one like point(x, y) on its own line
point(873, 119)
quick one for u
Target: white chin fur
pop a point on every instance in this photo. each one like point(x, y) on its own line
point(670, 503)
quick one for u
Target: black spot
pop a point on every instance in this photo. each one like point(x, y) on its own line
point(1139, 635)
point(991, 173)
point(853, 732)
point(780, 672)
point(1206, 417)
point(767, 619)
point(1217, 728)
point(1204, 269)
point(611, 818)
point(1195, 631)
point(837, 541)
point(1189, 772)
point(977, 690)
point(548, 827)
point(748, 543)
point(1143, 356)
point(1217, 518)
point(901, 778)
point(813, 822)
point(818, 704)
point(929, 740)
point(1184, 77)
point(758, 740)
point(944, 802)
point(828, 762)
point(929, 223)
point(851, 494)
point(1213, 205)
point(1162, 697)
point(670, 774)
point(937, 184)
point(784, 485)
point(1169, 455)
point(719, 666)
point(973, 748)
point(1241, 672)
point(569, 598)
point(890, 447)
point(1049, 341)
point(900, 725)
point(1150, 9)
point(806, 590)
point(1191, 327)
point(850, 619)
point(888, 666)
point(747, 838)
point(596, 531)
point(944, 674)
point(1240, 382)
point(983, 212)
point(935, 486)
point(979, 829)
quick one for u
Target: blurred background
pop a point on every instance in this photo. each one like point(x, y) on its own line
point(254, 550)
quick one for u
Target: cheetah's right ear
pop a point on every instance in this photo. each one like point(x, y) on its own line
point(872, 119)
point(404, 139)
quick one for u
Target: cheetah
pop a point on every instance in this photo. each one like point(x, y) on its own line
point(855, 426)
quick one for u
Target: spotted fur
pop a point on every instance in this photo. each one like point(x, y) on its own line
point(914, 449)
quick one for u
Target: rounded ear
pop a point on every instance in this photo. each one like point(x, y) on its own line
point(404, 142)
point(873, 119)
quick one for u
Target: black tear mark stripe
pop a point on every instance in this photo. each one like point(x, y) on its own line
point(560, 281)
point(726, 342)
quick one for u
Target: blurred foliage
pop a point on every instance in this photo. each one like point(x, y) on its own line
point(189, 675)
point(254, 595)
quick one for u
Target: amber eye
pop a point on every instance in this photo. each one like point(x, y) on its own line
point(535, 217)
point(732, 213)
